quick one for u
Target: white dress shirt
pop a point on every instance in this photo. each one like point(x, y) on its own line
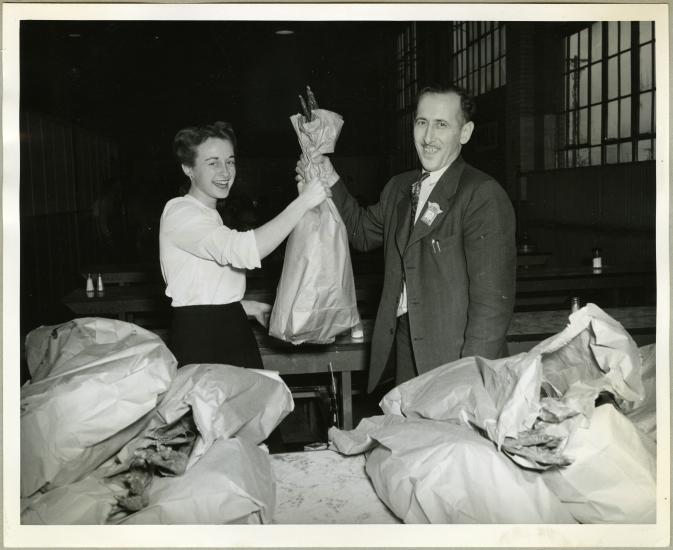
point(427, 185)
point(203, 261)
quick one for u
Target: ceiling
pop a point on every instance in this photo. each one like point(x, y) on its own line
point(144, 80)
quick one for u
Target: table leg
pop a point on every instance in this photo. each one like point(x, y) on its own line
point(346, 399)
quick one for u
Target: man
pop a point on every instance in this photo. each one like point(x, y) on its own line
point(449, 282)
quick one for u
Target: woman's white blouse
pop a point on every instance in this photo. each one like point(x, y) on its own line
point(203, 261)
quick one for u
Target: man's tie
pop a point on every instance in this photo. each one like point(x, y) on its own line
point(415, 192)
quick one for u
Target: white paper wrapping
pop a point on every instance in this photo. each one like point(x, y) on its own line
point(594, 353)
point(438, 472)
point(232, 483)
point(613, 475)
point(315, 298)
point(225, 401)
point(96, 380)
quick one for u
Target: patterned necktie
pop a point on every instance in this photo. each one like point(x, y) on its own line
point(415, 192)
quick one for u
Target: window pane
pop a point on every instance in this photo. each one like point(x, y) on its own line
point(646, 67)
point(625, 152)
point(584, 124)
point(482, 50)
point(496, 43)
point(596, 125)
point(573, 46)
point(611, 154)
point(625, 73)
point(613, 83)
point(571, 128)
point(584, 46)
point(482, 80)
point(503, 39)
point(488, 49)
point(645, 117)
point(612, 121)
point(584, 87)
point(489, 82)
point(645, 150)
point(645, 31)
point(596, 41)
point(595, 156)
point(596, 82)
point(503, 71)
point(624, 35)
point(625, 117)
point(612, 37)
point(583, 157)
point(496, 74)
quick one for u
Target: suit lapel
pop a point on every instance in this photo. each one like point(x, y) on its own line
point(443, 191)
point(403, 215)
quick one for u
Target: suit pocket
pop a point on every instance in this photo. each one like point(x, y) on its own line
point(440, 245)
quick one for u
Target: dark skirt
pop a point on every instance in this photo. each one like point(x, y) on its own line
point(214, 334)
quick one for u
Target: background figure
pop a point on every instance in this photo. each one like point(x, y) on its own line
point(448, 237)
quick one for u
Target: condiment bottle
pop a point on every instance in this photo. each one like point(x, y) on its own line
point(99, 287)
point(597, 260)
point(89, 286)
point(574, 304)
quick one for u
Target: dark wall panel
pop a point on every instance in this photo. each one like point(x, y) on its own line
point(569, 212)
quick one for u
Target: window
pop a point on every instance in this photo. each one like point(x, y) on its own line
point(407, 88)
point(608, 109)
point(478, 60)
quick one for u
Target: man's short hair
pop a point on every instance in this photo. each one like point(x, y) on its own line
point(467, 104)
point(188, 139)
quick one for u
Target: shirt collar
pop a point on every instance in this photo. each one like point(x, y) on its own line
point(434, 176)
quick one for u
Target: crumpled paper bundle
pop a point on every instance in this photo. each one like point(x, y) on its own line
point(315, 298)
point(227, 479)
point(95, 383)
point(540, 409)
point(232, 483)
point(613, 475)
point(441, 472)
point(225, 401)
point(519, 397)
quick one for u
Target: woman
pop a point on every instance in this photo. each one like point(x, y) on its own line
point(203, 261)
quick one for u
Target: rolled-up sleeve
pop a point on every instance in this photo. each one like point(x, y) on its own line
point(208, 239)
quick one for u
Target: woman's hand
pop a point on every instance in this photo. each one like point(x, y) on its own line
point(312, 193)
point(258, 311)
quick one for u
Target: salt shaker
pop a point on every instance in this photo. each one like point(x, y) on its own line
point(99, 286)
point(89, 286)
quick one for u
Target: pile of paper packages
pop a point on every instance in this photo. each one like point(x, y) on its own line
point(565, 433)
point(112, 433)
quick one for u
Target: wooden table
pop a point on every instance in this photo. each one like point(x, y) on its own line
point(124, 274)
point(120, 301)
point(346, 356)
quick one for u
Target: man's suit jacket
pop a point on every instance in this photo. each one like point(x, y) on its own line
point(460, 290)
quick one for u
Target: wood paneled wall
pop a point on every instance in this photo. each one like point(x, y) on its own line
point(569, 212)
point(63, 170)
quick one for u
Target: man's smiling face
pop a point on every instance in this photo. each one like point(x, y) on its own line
point(440, 130)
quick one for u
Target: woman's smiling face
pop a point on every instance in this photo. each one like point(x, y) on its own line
point(213, 172)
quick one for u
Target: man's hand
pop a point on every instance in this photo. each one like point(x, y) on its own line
point(258, 311)
point(317, 165)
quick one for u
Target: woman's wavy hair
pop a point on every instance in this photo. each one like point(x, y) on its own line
point(188, 139)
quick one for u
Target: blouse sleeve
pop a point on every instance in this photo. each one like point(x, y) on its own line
point(189, 230)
